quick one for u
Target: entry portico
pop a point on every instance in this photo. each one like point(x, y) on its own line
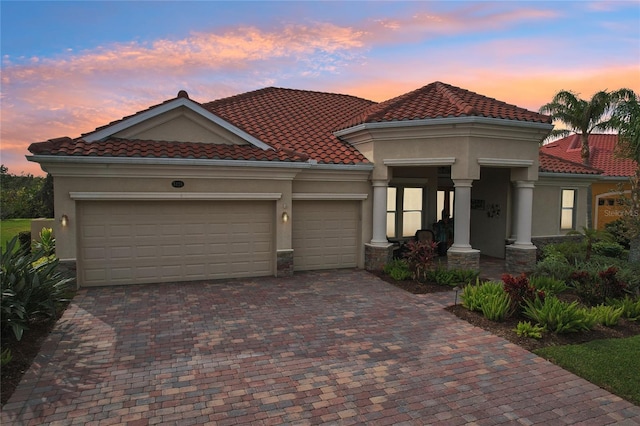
point(474, 148)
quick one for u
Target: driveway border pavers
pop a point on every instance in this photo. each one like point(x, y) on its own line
point(332, 347)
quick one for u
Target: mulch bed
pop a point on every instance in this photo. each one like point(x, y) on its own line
point(506, 328)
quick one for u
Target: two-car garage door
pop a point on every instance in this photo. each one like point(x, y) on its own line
point(126, 242)
point(123, 242)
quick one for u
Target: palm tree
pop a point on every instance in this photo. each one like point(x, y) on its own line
point(626, 118)
point(582, 117)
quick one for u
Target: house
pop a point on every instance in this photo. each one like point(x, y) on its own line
point(279, 180)
point(614, 173)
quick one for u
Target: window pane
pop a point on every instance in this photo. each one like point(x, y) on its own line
point(412, 199)
point(391, 225)
point(567, 198)
point(566, 221)
point(412, 221)
point(391, 199)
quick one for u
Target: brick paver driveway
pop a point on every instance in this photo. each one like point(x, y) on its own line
point(338, 347)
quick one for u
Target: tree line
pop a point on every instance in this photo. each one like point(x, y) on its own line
point(25, 196)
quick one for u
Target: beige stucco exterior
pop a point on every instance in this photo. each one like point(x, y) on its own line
point(547, 203)
point(492, 164)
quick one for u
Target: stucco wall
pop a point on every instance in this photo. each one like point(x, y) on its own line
point(547, 201)
point(489, 199)
point(105, 179)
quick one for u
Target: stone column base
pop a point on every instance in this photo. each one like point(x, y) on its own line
point(375, 257)
point(464, 259)
point(285, 263)
point(520, 259)
point(67, 268)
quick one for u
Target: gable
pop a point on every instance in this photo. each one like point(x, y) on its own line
point(181, 125)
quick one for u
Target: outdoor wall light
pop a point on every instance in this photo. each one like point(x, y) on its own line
point(285, 217)
point(64, 220)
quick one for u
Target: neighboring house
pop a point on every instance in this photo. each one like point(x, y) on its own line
point(614, 173)
point(277, 180)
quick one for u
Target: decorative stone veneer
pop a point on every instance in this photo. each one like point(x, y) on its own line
point(520, 259)
point(375, 257)
point(463, 260)
point(68, 269)
point(285, 263)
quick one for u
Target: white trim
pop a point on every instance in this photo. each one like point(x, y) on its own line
point(554, 175)
point(444, 161)
point(70, 159)
point(161, 196)
point(504, 162)
point(328, 196)
point(441, 121)
point(171, 105)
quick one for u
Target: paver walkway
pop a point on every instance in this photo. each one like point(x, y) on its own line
point(338, 347)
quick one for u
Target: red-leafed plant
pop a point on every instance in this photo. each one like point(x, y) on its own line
point(520, 291)
point(596, 289)
point(419, 255)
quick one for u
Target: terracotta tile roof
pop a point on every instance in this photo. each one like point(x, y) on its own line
point(440, 100)
point(602, 153)
point(553, 164)
point(115, 147)
point(300, 120)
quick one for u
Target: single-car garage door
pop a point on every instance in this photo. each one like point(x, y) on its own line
point(126, 242)
point(325, 234)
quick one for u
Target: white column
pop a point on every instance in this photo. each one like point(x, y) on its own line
point(524, 212)
point(514, 213)
point(379, 234)
point(462, 215)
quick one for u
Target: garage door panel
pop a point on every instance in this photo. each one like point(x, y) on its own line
point(146, 241)
point(325, 234)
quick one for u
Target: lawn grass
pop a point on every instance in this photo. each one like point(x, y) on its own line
point(9, 228)
point(611, 364)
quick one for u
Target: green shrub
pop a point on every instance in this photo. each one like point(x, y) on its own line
point(526, 329)
point(548, 284)
point(442, 276)
point(607, 249)
point(570, 250)
point(5, 357)
point(24, 237)
point(31, 288)
point(630, 307)
point(397, 269)
point(554, 266)
point(619, 231)
point(451, 277)
point(607, 315)
point(465, 276)
point(557, 316)
point(46, 243)
point(473, 296)
point(496, 307)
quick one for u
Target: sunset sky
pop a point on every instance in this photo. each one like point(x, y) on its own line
point(68, 67)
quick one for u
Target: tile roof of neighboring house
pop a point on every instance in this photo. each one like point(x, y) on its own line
point(602, 153)
point(440, 100)
point(553, 164)
point(115, 147)
point(300, 120)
